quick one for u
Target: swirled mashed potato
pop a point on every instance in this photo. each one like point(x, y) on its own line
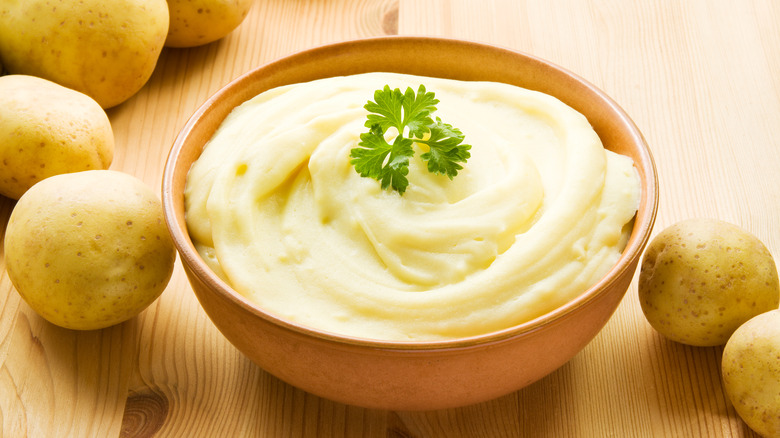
point(540, 212)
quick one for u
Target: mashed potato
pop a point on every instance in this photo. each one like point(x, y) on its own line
point(540, 212)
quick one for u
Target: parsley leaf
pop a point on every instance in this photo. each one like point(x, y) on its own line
point(446, 149)
point(410, 114)
point(385, 162)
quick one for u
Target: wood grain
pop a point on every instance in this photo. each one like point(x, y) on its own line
point(700, 79)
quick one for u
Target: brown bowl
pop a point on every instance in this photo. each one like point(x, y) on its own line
point(412, 375)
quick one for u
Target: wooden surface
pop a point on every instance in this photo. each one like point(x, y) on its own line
point(700, 78)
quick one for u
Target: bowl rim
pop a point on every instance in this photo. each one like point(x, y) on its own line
point(191, 258)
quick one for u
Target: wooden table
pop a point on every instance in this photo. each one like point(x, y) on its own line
point(700, 78)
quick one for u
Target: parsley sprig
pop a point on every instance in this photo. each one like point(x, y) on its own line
point(410, 114)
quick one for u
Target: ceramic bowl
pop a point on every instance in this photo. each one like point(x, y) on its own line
point(412, 375)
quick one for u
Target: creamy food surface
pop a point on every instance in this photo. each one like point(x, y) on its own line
point(539, 213)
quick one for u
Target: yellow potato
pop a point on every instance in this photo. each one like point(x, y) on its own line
point(198, 22)
point(105, 49)
point(47, 129)
point(90, 249)
point(751, 372)
point(700, 279)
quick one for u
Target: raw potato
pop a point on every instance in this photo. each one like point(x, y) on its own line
point(47, 129)
point(700, 279)
point(105, 49)
point(88, 250)
point(751, 373)
point(198, 22)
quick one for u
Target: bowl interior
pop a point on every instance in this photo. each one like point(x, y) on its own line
point(438, 57)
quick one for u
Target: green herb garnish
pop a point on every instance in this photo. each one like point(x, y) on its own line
point(410, 115)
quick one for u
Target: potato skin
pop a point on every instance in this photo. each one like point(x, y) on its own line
point(90, 249)
point(700, 279)
point(47, 129)
point(198, 22)
point(751, 372)
point(105, 49)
